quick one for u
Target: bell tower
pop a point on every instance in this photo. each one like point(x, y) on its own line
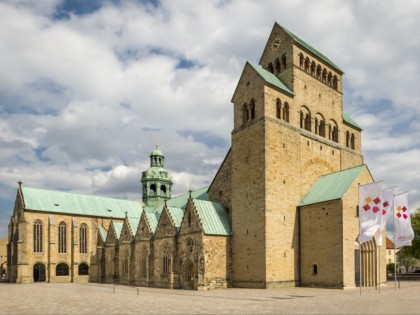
point(156, 180)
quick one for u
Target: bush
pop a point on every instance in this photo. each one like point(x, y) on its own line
point(390, 268)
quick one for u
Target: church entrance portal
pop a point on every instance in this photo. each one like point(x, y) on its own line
point(39, 273)
point(189, 275)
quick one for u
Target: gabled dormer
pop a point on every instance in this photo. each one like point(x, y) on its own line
point(114, 233)
point(166, 226)
point(190, 222)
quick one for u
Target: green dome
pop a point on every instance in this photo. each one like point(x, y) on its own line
point(156, 173)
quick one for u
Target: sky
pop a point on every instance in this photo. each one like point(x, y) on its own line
point(87, 88)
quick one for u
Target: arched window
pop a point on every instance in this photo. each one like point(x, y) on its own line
point(318, 72)
point(38, 236)
point(335, 82)
point(333, 131)
point(83, 269)
point(329, 79)
point(301, 60)
point(307, 63)
point(286, 112)
point(163, 190)
point(352, 144)
point(83, 239)
point(302, 120)
point(153, 189)
point(319, 125)
point(270, 67)
point(278, 65)
point(314, 269)
point(62, 270)
point(252, 109)
point(313, 68)
point(278, 109)
point(324, 75)
point(283, 61)
point(245, 115)
point(166, 261)
point(308, 122)
point(62, 238)
point(347, 139)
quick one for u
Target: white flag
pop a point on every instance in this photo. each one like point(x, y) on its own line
point(370, 209)
point(387, 196)
point(404, 233)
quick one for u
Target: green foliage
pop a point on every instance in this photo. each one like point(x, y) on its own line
point(412, 251)
point(390, 268)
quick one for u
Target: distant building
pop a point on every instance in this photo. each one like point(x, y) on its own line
point(3, 257)
point(282, 210)
point(390, 251)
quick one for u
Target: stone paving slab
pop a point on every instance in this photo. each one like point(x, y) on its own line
point(71, 298)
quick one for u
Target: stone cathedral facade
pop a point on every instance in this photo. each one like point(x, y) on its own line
point(280, 211)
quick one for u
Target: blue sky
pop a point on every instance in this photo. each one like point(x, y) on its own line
point(87, 88)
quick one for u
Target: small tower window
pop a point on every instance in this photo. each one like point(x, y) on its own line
point(314, 269)
point(335, 82)
point(163, 190)
point(352, 142)
point(245, 116)
point(347, 139)
point(286, 112)
point(318, 72)
point(307, 62)
point(153, 189)
point(252, 109)
point(278, 65)
point(278, 109)
point(270, 67)
point(301, 60)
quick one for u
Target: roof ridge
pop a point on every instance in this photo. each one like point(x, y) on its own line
point(313, 50)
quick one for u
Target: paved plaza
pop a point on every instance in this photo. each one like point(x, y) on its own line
point(71, 298)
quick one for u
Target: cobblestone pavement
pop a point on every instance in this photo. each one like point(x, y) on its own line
point(71, 298)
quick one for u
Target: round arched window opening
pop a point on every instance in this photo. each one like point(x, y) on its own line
point(62, 270)
point(83, 270)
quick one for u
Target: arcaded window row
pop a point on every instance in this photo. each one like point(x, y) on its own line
point(316, 70)
point(278, 66)
point(320, 127)
point(62, 237)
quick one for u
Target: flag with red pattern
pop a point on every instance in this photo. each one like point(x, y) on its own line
point(404, 233)
point(387, 196)
point(370, 209)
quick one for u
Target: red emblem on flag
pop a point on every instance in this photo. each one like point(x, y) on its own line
point(376, 200)
point(366, 207)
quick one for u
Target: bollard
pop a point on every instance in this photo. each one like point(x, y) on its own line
point(137, 291)
point(114, 288)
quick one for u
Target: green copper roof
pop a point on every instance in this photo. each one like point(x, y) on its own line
point(310, 48)
point(103, 232)
point(351, 121)
point(117, 228)
point(213, 217)
point(331, 186)
point(133, 224)
point(181, 200)
point(153, 219)
point(71, 203)
point(176, 215)
point(271, 78)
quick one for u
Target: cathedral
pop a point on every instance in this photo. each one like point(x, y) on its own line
point(282, 209)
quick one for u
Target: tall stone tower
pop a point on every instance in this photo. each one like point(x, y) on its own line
point(289, 129)
point(156, 181)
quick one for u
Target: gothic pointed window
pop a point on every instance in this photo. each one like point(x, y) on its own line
point(38, 236)
point(62, 238)
point(83, 239)
point(166, 260)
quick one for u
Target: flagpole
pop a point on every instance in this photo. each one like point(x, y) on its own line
point(360, 244)
point(379, 262)
point(395, 249)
